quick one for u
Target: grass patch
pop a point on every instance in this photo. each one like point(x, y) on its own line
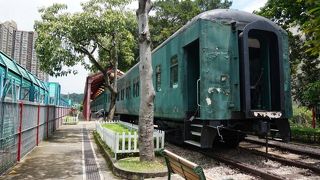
point(118, 128)
point(133, 164)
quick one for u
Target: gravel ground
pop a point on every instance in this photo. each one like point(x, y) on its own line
point(217, 170)
point(284, 154)
point(212, 168)
point(298, 146)
point(274, 167)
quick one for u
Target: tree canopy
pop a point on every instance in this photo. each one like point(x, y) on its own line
point(312, 27)
point(64, 39)
point(299, 18)
point(170, 15)
point(101, 32)
point(303, 14)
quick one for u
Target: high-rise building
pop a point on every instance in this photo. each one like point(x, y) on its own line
point(20, 45)
point(6, 36)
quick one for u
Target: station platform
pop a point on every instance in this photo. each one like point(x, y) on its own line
point(70, 153)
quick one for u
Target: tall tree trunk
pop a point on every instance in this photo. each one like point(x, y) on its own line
point(112, 107)
point(146, 145)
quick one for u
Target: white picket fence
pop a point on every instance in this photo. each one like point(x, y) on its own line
point(126, 143)
point(71, 120)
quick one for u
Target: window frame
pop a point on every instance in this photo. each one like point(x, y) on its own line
point(174, 72)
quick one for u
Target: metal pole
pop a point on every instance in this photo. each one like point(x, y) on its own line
point(47, 121)
point(19, 131)
point(38, 120)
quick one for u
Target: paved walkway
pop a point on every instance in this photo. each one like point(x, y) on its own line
point(69, 154)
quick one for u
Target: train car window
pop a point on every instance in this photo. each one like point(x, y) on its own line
point(118, 95)
point(122, 94)
point(138, 89)
point(133, 88)
point(128, 91)
point(158, 78)
point(174, 72)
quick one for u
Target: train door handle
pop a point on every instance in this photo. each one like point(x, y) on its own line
point(198, 92)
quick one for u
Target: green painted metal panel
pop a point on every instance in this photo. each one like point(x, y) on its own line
point(287, 81)
point(171, 102)
point(132, 104)
point(215, 54)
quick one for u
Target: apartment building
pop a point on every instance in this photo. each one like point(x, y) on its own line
point(7, 30)
point(20, 45)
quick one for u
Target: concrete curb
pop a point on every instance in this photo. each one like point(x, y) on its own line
point(121, 172)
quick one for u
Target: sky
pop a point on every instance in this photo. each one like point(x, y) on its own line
point(25, 12)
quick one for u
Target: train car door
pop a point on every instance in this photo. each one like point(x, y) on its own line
point(191, 53)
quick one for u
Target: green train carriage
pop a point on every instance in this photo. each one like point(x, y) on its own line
point(215, 78)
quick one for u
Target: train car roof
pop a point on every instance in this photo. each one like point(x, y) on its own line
point(226, 16)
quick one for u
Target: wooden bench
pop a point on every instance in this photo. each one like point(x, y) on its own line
point(181, 166)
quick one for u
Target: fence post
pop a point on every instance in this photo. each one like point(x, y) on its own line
point(123, 142)
point(157, 140)
point(38, 121)
point(135, 141)
point(129, 141)
point(47, 121)
point(163, 135)
point(20, 129)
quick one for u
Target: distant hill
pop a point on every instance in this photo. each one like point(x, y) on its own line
point(76, 98)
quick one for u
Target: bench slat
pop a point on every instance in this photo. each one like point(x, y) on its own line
point(186, 174)
point(183, 161)
point(183, 167)
point(186, 168)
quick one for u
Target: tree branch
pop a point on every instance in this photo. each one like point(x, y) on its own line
point(94, 48)
point(96, 64)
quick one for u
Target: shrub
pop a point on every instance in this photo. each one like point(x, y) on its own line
point(302, 117)
point(305, 134)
